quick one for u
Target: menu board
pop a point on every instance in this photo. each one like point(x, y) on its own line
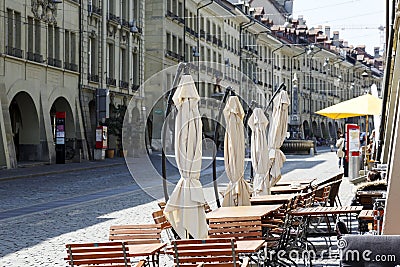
point(354, 140)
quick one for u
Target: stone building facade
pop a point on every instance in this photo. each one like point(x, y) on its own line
point(39, 76)
point(112, 59)
point(234, 43)
point(61, 55)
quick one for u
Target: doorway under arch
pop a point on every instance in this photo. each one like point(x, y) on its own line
point(62, 105)
point(331, 130)
point(306, 129)
point(25, 127)
point(325, 132)
point(315, 128)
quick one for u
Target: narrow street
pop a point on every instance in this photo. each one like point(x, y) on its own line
point(39, 215)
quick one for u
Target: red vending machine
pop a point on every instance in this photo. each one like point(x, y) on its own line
point(101, 137)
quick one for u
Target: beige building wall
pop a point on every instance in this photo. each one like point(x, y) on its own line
point(39, 76)
point(391, 152)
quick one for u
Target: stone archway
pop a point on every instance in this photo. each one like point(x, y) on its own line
point(331, 130)
point(62, 105)
point(314, 126)
point(93, 117)
point(306, 130)
point(25, 127)
point(324, 130)
point(337, 128)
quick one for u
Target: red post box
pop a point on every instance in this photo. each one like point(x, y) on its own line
point(101, 137)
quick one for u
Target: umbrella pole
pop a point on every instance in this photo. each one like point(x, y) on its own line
point(246, 125)
point(216, 137)
point(366, 143)
point(164, 131)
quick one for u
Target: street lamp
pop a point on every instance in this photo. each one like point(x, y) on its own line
point(294, 119)
point(311, 52)
point(197, 52)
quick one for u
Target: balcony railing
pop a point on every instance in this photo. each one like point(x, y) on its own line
point(123, 84)
point(15, 52)
point(54, 62)
point(125, 23)
point(93, 78)
point(114, 18)
point(111, 81)
point(135, 87)
point(70, 66)
point(34, 57)
point(174, 55)
point(29, 56)
point(96, 10)
point(38, 57)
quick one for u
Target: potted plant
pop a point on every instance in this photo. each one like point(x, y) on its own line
point(114, 127)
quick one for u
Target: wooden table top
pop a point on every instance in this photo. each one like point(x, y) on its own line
point(367, 215)
point(272, 199)
point(305, 181)
point(287, 189)
point(139, 250)
point(326, 210)
point(249, 246)
point(250, 212)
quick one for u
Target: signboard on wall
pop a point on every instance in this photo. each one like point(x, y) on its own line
point(60, 137)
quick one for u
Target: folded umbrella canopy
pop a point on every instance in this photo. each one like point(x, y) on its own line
point(185, 207)
point(359, 106)
point(277, 135)
point(258, 123)
point(238, 190)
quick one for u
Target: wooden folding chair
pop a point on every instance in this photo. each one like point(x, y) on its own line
point(208, 252)
point(159, 218)
point(136, 233)
point(104, 254)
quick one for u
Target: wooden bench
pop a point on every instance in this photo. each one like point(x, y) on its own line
point(136, 234)
point(100, 255)
point(208, 252)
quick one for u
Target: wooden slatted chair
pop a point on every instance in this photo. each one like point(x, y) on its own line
point(238, 228)
point(334, 195)
point(100, 255)
point(161, 204)
point(322, 195)
point(159, 218)
point(208, 252)
point(136, 234)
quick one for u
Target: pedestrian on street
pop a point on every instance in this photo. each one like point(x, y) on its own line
point(340, 152)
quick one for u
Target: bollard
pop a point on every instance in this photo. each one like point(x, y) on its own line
point(311, 151)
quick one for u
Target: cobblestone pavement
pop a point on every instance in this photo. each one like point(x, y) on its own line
point(103, 196)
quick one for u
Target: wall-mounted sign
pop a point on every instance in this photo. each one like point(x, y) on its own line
point(60, 137)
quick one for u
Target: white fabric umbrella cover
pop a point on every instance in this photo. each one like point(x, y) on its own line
point(277, 134)
point(258, 123)
point(185, 207)
point(238, 190)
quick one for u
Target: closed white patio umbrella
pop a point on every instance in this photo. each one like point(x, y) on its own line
point(238, 190)
point(277, 134)
point(185, 207)
point(258, 123)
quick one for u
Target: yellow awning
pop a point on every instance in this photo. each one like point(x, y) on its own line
point(359, 106)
